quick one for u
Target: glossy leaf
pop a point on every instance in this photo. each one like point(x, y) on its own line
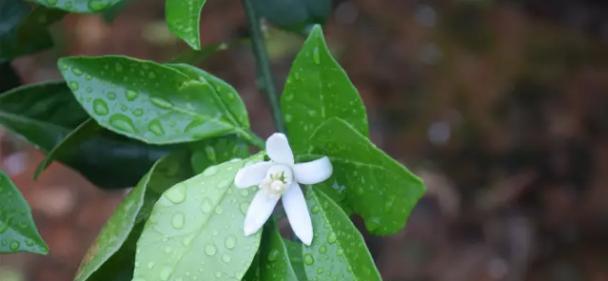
point(42, 113)
point(317, 89)
point(183, 18)
point(374, 185)
point(45, 114)
point(274, 263)
point(147, 101)
point(118, 237)
point(208, 152)
point(94, 152)
point(227, 96)
point(79, 6)
point(293, 15)
point(23, 30)
point(196, 230)
point(18, 232)
point(338, 251)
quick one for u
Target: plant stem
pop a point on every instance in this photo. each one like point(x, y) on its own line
point(252, 138)
point(264, 73)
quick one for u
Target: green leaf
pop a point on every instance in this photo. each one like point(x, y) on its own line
point(94, 152)
point(294, 15)
point(117, 239)
point(317, 89)
point(183, 18)
point(217, 150)
point(227, 96)
point(147, 101)
point(196, 230)
point(79, 6)
point(274, 263)
point(294, 251)
point(338, 251)
point(18, 232)
point(46, 114)
point(375, 186)
point(23, 30)
point(42, 113)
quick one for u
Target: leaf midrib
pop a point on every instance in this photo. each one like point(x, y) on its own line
point(331, 226)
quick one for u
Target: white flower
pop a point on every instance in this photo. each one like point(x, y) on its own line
point(278, 178)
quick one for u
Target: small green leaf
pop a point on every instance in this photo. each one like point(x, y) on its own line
point(117, 239)
point(294, 15)
point(23, 30)
point(196, 230)
point(42, 113)
point(274, 262)
point(338, 251)
point(94, 152)
point(317, 89)
point(375, 186)
point(18, 232)
point(79, 6)
point(217, 150)
point(183, 18)
point(227, 96)
point(147, 101)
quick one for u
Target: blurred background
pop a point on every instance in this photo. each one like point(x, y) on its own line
point(501, 106)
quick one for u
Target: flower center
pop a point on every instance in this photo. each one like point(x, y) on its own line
point(277, 180)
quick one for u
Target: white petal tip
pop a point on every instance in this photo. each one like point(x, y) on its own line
point(248, 231)
point(307, 242)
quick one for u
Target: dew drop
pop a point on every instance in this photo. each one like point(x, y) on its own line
point(14, 245)
point(97, 5)
point(308, 259)
point(331, 238)
point(315, 55)
point(177, 194)
point(138, 112)
point(206, 206)
point(76, 71)
point(165, 273)
point(191, 127)
point(230, 242)
point(323, 249)
point(188, 240)
point(122, 123)
point(210, 171)
point(160, 102)
point(74, 86)
point(226, 258)
point(156, 128)
point(243, 207)
point(272, 256)
point(111, 95)
point(100, 107)
point(178, 221)
point(132, 95)
point(210, 250)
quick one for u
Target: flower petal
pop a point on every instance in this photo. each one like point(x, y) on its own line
point(259, 211)
point(297, 213)
point(314, 171)
point(278, 149)
point(251, 175)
